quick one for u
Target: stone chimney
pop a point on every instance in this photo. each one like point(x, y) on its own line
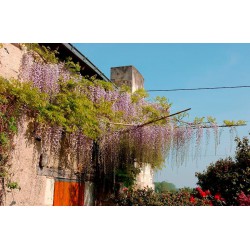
point(127, 75)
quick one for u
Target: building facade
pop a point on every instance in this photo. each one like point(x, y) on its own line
point(40, 183)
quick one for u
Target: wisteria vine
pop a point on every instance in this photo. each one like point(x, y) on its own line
point(149, 144)
point(113, 117)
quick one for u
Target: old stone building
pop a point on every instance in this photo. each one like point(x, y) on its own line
point(40, 183)
point(46, 185)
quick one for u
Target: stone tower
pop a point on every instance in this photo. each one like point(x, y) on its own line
point(127, 75)
point(130, 76)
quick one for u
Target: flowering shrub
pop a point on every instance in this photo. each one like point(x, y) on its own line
point(229, 178)
point(182, 197)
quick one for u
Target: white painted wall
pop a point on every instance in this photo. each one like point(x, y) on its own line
point(146, 177)
point(49, 192)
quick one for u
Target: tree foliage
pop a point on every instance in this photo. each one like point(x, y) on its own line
point(163, 187)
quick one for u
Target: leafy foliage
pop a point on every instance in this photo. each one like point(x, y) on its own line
point(13, 185)
point(126, 174)
point(234, 123)
point(71, 66)
point(45, 53)
point(229, 177)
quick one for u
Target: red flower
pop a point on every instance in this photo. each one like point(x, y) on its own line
point(125, 189)
point(201, 192)
point(217, 197)
point(207, 192)
point(192, 199)
point(244, 200)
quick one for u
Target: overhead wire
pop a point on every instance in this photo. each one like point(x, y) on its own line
point(206, 88)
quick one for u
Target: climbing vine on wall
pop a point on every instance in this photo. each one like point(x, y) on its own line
point(69, 114)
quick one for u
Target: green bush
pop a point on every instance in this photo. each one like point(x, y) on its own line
point(229, 177)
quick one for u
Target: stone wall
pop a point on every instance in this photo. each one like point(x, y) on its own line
point(25, 155)
point(34, 169)
point(23, 170)
point(10, 60)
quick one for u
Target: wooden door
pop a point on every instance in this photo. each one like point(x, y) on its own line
point(68, 193)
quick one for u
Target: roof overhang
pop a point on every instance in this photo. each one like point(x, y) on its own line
point(68, 50)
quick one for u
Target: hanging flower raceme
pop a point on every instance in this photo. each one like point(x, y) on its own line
point(43, 76)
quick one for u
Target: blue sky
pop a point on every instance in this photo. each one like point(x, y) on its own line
point(168, 66)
